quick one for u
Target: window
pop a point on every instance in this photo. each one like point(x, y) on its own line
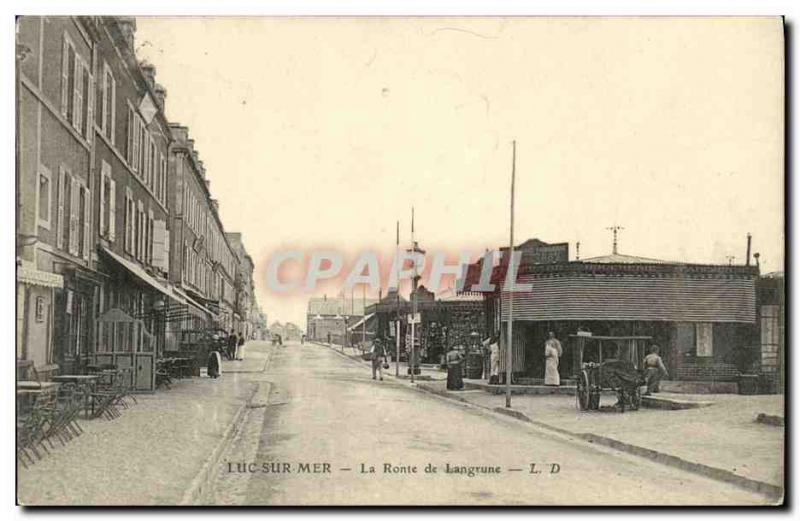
point(131, 139)
point(63, 196)
point(74, 220)
point(129, 224)
point(107, 203)
point(108, 104)
point(86, 218)
point(43, 197)
point(704, 339)
point(67, 78)
point(150, 226)
point(76, 89)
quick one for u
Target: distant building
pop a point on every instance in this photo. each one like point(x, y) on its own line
point(334, 317)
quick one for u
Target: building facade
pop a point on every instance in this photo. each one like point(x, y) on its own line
point(203, 264)
point(245, 306)
point(120, 247)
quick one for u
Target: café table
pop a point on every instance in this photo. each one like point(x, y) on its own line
point(87, 382)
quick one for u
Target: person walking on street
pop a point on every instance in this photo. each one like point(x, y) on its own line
point(378, 358)
point(552, 352)
point(214, 364)
point(240, 348)
point(233, 340)
point(654, 370)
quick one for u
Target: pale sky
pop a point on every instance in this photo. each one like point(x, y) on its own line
point(322, 132)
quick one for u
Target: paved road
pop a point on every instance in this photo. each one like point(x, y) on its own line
point(326, 410)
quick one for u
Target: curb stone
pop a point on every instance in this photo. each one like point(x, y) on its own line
point(200, 486)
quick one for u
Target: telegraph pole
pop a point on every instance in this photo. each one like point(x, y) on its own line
point(397, 295)
point(510, 341)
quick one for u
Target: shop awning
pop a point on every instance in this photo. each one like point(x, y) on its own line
point(627, 297)
point(193, 304)
point(139, 272)
point(28, 274)
point(358, 324)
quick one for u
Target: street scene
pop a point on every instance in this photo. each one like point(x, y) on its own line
point(400, 262)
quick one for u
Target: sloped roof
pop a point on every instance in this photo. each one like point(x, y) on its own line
point(617, 258)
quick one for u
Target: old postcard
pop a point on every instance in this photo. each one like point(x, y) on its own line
point(400, 261)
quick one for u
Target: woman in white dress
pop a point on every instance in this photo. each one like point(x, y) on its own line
point(552, 352)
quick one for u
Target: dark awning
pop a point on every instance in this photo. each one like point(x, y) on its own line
point(629, 297)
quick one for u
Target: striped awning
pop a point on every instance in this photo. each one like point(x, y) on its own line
point(629, 297)
point(28, 274)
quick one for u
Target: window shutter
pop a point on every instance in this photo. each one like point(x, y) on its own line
point(165, 263)
point(113, 111)
point(104, 101)
point(158, 243)
point(89, 105)
point(103, 183)
point(87, 220)
point(150, 232)
point(130, 137)
point(62, 183)
point(77, 101)
point(140, 232)
point(74, 207)
point(64, 76)
point(112, 209)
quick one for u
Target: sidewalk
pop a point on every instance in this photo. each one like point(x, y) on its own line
point(153, 453)
point(723, 435)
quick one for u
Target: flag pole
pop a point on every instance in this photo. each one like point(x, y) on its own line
point(510, 339)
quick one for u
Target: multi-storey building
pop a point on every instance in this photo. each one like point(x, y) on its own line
point(245, 307)
point(57, 285)
point(130, 212)
point(203, 264)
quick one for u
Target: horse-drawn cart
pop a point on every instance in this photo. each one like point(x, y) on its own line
point(610, 363)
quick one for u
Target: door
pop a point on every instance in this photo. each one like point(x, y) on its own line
point(145, 371)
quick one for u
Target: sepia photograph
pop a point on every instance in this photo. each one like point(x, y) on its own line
point(400, 260)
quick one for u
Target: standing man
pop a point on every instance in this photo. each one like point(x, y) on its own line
point(654, 370)
point(552, 352)
point(378, 357)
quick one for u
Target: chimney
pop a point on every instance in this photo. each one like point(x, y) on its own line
point(747, 259)
point(127, 26)
point(215, 205)
point(149, 73)
point(161, 96)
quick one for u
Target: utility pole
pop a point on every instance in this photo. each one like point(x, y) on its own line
point(397, 295)
point(364, 313)
point(411, 361)
point(510, 340)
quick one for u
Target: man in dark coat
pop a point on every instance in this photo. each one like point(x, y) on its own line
point(233, 341)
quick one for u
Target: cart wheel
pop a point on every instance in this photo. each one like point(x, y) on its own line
point(636, 399)
point(583, 392)
point(594, 400)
